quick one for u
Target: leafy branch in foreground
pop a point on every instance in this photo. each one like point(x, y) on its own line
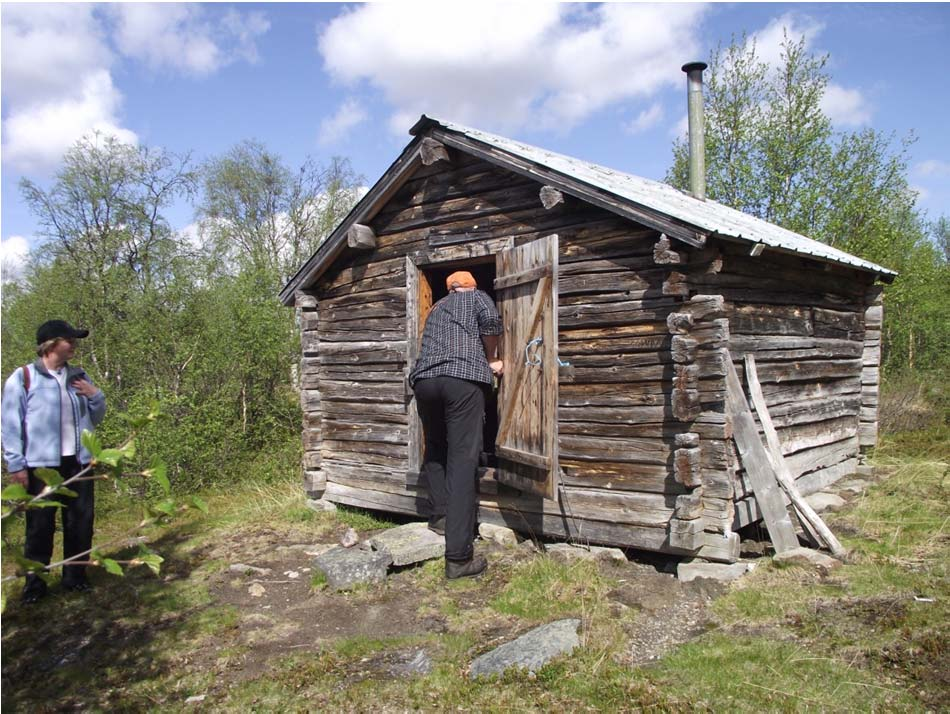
point(108, 464)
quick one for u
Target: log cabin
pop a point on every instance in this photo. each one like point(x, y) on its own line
point(622, 300)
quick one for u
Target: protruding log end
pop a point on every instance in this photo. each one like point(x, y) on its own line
point(361, 236)
point(550, 197)
point(431, 151)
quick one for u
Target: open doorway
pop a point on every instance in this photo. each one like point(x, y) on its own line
point(483, 270)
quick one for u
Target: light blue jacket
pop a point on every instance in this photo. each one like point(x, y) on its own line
point(32, 427)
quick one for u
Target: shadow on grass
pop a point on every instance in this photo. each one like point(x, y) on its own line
point(113, 643)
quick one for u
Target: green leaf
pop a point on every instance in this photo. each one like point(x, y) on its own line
point(91, 442)
point(28, 566)
point(63, 491)
point(128, 451)
point(159, 472)
point(45, 503)
point(110, 457)
point(111, 566)
point(15, 492)
point(167, 507)
point(197, 502)
point(152, 560)
point(48, 476)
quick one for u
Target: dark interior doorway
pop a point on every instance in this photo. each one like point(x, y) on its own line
point(484, 274)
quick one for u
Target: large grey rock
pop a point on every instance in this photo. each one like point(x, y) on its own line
point(723, 572)
point(498, 534)
point(567, 552)
point(807, 558)
point(411, 543)
point(824, 501)
point(346, 567)
point(531, 651)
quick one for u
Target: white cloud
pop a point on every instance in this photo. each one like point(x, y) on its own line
point(932, 167)
point(14, 252)
point(647, 119)
point(333, 129)
point(57, 66)
point(46, 48)
point(845, 107)
point(182, 37)
point(37, 136)
point(546, 64)
point(680, 130)
point(769, 40)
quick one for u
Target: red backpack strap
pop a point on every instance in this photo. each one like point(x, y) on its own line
point(26, 378)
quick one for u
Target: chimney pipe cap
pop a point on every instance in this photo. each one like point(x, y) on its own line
point(690, 66)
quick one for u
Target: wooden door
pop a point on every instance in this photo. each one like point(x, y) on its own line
point(526, 446)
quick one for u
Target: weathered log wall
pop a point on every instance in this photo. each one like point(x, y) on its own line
point(806, 325)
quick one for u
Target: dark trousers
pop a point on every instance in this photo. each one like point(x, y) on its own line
point(452, 412)
point(78, 516)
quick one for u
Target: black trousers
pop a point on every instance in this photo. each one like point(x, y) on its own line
point(78, 515)
point(452, 412)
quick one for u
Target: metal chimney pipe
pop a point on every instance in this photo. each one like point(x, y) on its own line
point(697, 129)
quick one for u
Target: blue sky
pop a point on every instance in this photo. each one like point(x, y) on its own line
point(600, 82)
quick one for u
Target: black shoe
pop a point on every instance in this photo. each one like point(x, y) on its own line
point(31, 597)
point(437, 525)
point(81, 587)
point(466, 569)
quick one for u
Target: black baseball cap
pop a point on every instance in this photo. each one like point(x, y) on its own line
point(51, 329)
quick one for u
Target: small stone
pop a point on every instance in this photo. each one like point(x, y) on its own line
point(567, 552)
point(292, 574)
point(410, 543)
point(531, 651)
point(410, 663)
point(723, 572)
point(196, 699)
point(498, 534)
point(256, 590)
point(854, 485)
point(824, 501)
point(248, 569)
point(808, 558)
point(346, 567)
point(349, 538)
point(321, 506)
point(865, 470)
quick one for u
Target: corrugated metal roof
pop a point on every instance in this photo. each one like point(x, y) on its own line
point(707, 216)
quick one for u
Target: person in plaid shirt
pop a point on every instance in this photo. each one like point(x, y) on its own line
point(458, 359)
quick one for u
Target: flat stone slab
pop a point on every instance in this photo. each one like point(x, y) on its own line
point(824, 501)
point(408, 544)
point(568, 552)
point(806, 557)
point(531, 651)
point(346, 567)
point(498, 534)
point(248, 569)
point(321, 506)
point(723, 572)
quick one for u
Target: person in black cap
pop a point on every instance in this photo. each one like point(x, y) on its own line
point(46, 407)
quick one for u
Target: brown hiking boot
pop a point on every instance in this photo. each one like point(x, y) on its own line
point(467, 569)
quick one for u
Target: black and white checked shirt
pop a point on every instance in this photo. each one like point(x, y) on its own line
point(452, 339)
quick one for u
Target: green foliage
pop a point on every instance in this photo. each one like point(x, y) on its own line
point(194, 332)
point(772, 152)
point(361, 520)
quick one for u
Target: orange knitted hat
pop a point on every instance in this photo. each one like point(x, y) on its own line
point(460, 279)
